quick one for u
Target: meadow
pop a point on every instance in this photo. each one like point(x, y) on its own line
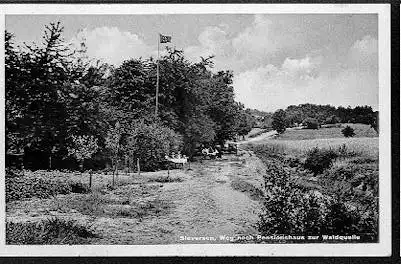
point(361, 130)
point(322, 183)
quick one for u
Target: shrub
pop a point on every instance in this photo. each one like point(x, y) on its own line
point(310, 123)
point(318, 160)
point(289, 210)
point(18, 188)
point(79, 187)
point(348, 131)
point(46, 232)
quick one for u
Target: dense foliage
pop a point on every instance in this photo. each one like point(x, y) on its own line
point(310, 123)
point(278, 123)
point(322, 114)
point(60, 104)
point(327, 114)
point(318, 160)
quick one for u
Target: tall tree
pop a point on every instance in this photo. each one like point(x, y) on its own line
point(279, 121)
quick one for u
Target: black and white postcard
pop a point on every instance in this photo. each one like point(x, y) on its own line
point(195, 130)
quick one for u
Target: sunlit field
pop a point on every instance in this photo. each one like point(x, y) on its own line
point(367, 146)
point(360, 130)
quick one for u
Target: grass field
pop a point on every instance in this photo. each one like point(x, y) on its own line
point(366, 146)
point(360, 130)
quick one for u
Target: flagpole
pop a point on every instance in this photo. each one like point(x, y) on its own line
point(157, 76)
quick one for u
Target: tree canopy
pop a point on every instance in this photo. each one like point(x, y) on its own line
point(55, 94)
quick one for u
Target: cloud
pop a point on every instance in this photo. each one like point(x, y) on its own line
point(212, 41)
point(270, 87)
point(255, 39)
point(274, 63)
point(353, 81)
point(364, 54)
point(112, 45)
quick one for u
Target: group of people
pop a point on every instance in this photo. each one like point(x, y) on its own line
point(211, 152)
point(177, 155)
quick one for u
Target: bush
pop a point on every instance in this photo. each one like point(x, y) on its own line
point(79, 187)
point(318, 160)
point(348, 131)
point(290, 210)
point(19, 187)
point(310, 123)
point(53, 231)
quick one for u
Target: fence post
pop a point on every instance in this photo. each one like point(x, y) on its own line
point(90, 179)
point(138, 166)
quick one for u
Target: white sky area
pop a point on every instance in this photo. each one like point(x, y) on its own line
point(277, 60)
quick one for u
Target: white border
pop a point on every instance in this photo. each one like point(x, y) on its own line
point(383, 248)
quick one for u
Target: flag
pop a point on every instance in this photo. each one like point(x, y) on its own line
point(164, 39)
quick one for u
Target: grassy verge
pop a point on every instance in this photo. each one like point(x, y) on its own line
point(53, 231)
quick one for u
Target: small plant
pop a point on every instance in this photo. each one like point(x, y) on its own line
point(83, 148)
point(348, 131)
point(318, 160)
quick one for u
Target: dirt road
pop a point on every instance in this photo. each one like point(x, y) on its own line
point(215, 198)
point(203, 207)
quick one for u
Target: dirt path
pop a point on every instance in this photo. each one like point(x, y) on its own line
point(263, 136)
point(203, 206)
point(216, 198)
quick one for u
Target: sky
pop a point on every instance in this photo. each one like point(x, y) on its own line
point(277, 59)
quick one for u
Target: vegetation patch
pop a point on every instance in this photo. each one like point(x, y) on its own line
point(53, 231)
point(260, 132)
point(166, 179)
point(341, 197)
point(20, 187)
point(247, 188)
point(79, 187)
point(140, 209)
point(328, 131)
point(318, 160)
point(138, 202)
